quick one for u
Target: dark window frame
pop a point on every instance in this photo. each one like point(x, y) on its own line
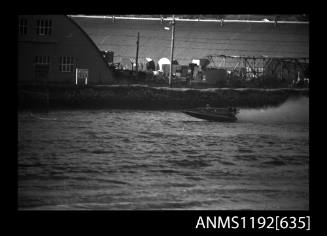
point(66, 64)
point(22, 27)
point(42, 60)
point(44, 27)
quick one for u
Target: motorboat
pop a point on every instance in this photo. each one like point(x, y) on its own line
point(227, 114)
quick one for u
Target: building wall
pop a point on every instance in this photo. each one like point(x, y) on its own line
point(214, 76)
point(66, 39)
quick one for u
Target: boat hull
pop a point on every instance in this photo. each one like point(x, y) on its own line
point(211, 117)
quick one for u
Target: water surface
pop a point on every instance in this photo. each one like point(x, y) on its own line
point(130, 159)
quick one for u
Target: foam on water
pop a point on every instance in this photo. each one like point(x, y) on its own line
point(294, 110)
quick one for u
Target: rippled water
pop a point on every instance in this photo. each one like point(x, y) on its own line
point(129, 159)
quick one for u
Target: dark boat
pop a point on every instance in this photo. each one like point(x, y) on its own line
point(214, 114)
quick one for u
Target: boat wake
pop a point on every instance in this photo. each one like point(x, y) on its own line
point(41, 117)
point(294, 110)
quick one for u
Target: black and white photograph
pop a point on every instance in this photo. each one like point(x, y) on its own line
point(163, 112)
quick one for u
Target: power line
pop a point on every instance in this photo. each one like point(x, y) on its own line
point(186, 20)
point(219, 31)
point(206, 48)
point(231, 42)
point(196, 38)
point(275, 46)
point(181, 39)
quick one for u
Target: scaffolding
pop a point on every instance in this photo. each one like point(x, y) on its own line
point(248, 67)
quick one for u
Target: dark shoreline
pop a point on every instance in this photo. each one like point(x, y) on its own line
point(149, 98)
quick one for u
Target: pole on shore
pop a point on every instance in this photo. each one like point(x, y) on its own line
point(47, 91)
point(172, 51)
point(281, 71)
point(137, 52)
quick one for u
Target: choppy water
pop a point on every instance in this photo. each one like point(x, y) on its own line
point(127, 159)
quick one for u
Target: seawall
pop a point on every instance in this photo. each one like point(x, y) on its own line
point(144, 97)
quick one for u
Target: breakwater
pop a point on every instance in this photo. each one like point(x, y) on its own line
point(145, 97)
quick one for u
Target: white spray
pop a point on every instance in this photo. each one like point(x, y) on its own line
point(291, 111)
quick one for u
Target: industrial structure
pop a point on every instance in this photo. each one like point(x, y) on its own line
point(69, 49)
point(247, 68)
point(245, 48)
point(54, 49)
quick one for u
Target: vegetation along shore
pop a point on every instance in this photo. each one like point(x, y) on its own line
point(146, 97)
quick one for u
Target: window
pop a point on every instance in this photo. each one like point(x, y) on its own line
point(22, 26)
point(43, 27)
point(42, 60)
point(66, 64)
point(260, 70)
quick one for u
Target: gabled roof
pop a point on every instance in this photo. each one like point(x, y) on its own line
point(94, 45)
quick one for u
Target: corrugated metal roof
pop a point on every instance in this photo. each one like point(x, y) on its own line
point(197, 39)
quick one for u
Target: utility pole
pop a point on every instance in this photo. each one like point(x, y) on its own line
point(281, 71)
point(172, 50)
point(137, 51)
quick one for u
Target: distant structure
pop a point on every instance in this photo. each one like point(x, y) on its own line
point(52, 47)
point(197, 38)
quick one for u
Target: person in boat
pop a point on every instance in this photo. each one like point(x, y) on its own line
point(232, 110)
